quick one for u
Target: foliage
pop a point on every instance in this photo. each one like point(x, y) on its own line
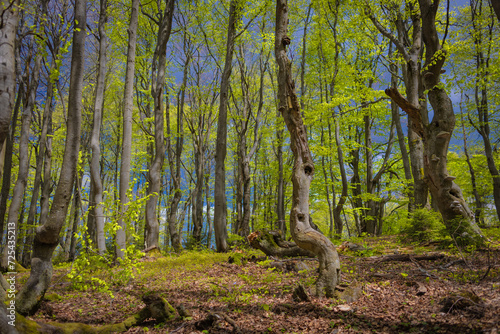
point(422, 225)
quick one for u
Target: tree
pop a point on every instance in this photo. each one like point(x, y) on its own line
point(303, 169)
point(220, 210)
point(126, 149)
point(436, 135)
point(9, 11)
point(95, 175)
point(157, 83)
point(47, 235)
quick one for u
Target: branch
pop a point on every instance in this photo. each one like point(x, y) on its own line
point(401, 48)
point(412, 111)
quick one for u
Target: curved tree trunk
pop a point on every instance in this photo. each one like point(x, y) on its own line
point(128, 103)
point(157, 84)
point(303, 169)
point(47, 235)
point(436, 135)
point(95, 174)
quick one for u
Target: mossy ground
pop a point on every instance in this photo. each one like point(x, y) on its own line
point(259, 299)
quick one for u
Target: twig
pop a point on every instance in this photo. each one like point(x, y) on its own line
point(228, 319)
point(179, 328)
point(422, 269)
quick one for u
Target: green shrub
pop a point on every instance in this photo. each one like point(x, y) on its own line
point(422, 225)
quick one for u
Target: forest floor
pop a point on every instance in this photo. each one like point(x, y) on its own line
point(250, 296)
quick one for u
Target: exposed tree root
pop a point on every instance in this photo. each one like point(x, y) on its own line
point(156, 307)
point(272, 244)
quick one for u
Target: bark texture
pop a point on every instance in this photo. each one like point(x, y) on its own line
point(95, 173)
point(47, 235)
point(220, 203)
point(436, 134)
point(24, 154)
point(272, 244)
point(9, 11)
point(126, 149)
point(303, 170)
point(157, 84)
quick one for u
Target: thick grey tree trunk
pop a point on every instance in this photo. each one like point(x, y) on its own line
point(9, 11)
point(47, 235)
point(24, 156)
point(157, 83)
point(411, 53)
point(126, 149)
point(220, 204)
point(95, 173)
point(436, 135)
point(8, 146)
point(303, 170)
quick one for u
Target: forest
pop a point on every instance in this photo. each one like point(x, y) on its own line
point(178, 166)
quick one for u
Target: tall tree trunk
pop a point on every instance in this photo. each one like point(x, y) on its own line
point(42, 142)
point(95, 173)
point(401, 138)
point(280, 203)
point(478, 214)
point(174, 159)
point(481, 99)
point(436, 136)
point(7, 171)
point(345, 185)
point(24, 157)
point(73, 221)
point(9, 11)
point(411, 53)
point(157, 84)
point(303, 169)
point(220, 204)
point(47, 235)
point(126, 149)
point(207, 199)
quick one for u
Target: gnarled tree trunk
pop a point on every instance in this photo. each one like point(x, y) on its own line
point(303, 170)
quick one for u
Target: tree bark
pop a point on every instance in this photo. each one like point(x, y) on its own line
point(126, 149)
point(7, 148)
point(272, 244)
point(157, 84)
point(9, 11)
point(417, 107)
point(481, 99)
point(95, 173)
point(303, 169)
point(47, 235)
point(24, 156)
point(220, 203)
point(174, 159)
point(436, 136)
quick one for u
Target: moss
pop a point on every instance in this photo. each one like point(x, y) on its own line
point(20, 268)
point(52, 297)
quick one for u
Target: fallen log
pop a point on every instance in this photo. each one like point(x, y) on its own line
point(272, 244)
point(407, 257)
point(156, 307)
